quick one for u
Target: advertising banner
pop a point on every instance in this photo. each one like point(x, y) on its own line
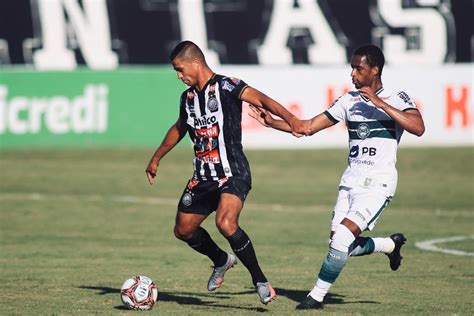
point(443, 94)
point(84, 107)
point(137, 106)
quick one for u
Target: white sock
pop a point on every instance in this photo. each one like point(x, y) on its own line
point(320, 290)
point(385, 245)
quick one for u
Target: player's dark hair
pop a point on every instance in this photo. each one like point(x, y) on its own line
point(187, 50)
point(373, 54)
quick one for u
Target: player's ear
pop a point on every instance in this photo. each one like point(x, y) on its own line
point(376, 71)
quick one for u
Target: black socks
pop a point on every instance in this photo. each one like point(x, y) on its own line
point(203, 243)
point(243, 248)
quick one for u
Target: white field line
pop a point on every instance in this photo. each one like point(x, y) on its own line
point(431, 245)
point(129, 199)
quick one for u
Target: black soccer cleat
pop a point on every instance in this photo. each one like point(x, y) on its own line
point(309, 303)
point(395, 257)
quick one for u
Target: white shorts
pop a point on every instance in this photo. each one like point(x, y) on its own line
point(361, 205)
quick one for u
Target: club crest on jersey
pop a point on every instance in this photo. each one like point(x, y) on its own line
point(187, 199)
point(363, 130)
point(212, 104)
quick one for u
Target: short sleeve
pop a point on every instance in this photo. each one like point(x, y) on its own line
point(404, 102)
point(337, 111)
point(183, 116)
point(235, 86)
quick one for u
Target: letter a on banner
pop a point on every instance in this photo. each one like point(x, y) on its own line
point(90, 26)
point(326, 49)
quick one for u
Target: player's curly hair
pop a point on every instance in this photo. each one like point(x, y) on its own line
point(187, 50)
point(373, 54)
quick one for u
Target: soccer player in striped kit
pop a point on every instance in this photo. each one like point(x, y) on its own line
point(376, 118)
point(211, 112)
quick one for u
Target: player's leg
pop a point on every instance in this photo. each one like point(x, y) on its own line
point(374, 204)
point(368, 245)
point(194, 207)
point(188, 229)
point(343, 234)
point(333, 264)
point(340, 210)
point(227, 216)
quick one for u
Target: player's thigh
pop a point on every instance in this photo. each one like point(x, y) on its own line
point(366, 207)
point(341, 208)
point(232, 198)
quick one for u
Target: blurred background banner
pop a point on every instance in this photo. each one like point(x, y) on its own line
point(85, 107)
point(91, 72)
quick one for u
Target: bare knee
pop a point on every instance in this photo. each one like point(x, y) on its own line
point(183, 233)
point(226, 225)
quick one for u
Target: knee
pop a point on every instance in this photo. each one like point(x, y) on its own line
point(342, 239)
point(226, 225)
point(182, 232)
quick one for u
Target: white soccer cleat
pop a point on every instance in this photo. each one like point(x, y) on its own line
point(217, 276)
point(265, 292)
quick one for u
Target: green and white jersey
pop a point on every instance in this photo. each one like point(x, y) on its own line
point(373, 139)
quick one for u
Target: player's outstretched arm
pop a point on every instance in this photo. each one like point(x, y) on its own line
point(410, 120)
point(260, 100)
point(317, 123)
point(320, 122)
point(266, 119)
point(172, 138)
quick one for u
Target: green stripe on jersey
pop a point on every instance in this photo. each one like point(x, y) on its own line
point(375, 133)
point(373, 124)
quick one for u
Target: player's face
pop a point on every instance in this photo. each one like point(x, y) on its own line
point(186, 70)
point(362, 74)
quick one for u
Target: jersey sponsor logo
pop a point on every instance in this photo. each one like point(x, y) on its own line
point(354, 152)
point(402, 95)
point(204, 120)
point(227, 86)
point(363, 130)
point(361, 162)
point(206, 144)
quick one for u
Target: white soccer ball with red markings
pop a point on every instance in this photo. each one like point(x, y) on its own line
point(139, 293)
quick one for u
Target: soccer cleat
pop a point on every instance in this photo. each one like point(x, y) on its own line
point(217, 276)
point(309, 303)
point(266, 292)
point(395, 257)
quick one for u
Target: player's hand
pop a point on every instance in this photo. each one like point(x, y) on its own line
point(370, 94)
point(299, 127)
point(151, 171)
point(261, 115)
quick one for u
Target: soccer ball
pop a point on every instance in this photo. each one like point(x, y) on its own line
point(139, 293)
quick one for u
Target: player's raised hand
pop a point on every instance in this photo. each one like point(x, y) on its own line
point(261, 115)
point(370, 94)
point(151, 171)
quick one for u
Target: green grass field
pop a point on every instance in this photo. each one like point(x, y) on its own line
point(74, 224)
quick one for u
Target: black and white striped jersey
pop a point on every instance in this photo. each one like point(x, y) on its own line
point(213, 120)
